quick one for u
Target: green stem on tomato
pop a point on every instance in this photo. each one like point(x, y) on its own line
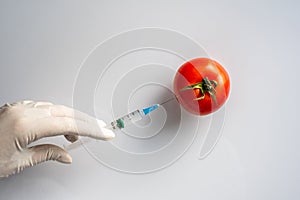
point(205, 86)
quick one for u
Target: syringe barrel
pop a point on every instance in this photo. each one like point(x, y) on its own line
point(125, 120)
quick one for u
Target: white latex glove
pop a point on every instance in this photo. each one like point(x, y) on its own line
point(24, 122)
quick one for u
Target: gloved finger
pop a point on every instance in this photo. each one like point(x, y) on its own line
point(41, 153)
point(71, 138)
point(46, 109)
point(54, 126)
point(64, 111)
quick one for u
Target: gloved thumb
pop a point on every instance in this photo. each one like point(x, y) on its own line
point(45, 152)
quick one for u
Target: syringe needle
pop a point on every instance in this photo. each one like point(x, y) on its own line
point(167, 101)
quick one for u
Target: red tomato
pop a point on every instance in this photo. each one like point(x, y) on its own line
point(201, 86)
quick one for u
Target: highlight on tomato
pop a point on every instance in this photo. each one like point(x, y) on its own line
point(201, 86)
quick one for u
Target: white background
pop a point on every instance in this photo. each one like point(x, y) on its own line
point(42, 45)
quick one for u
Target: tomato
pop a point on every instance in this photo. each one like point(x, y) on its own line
point(201, 86)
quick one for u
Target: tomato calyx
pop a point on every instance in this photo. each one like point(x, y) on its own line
point(205, 86)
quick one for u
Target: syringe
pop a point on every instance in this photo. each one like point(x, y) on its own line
point(119, 124)
point(130, 118)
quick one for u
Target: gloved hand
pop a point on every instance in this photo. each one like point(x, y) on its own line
point(24, 122)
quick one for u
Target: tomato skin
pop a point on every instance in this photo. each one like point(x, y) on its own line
point(194, 71)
